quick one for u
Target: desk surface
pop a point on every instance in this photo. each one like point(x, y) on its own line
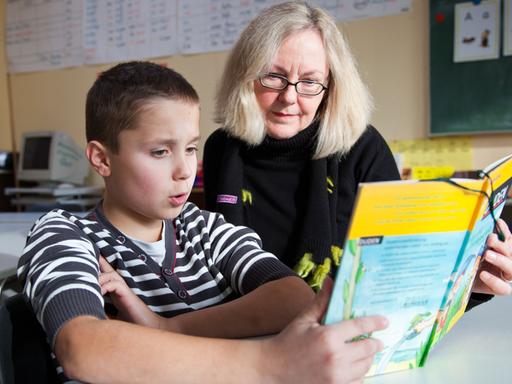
point(13, 231)
point(8, 265)
point(13, 234)
point(477, 350)
point(19, 217)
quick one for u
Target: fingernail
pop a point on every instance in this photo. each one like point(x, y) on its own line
point(490, 256)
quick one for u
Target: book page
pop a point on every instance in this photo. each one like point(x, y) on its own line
point(404, 240)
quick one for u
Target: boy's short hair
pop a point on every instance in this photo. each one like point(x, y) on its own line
point(119, 94)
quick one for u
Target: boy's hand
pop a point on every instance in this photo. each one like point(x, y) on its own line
point(308, 352)
point(495, 274)
point(130, 307)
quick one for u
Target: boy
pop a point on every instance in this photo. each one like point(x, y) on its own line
point(142, 131)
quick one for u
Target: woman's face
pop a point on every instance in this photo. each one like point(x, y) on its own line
point(300, 57)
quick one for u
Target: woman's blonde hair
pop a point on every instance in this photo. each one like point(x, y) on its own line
point(343, 113)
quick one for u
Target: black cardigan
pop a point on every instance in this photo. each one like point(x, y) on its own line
point(370, 159)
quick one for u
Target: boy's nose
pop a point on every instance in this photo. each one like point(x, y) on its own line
point(182, 169)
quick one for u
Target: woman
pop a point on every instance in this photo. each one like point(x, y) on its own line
point(296, 139)
point(295, 142)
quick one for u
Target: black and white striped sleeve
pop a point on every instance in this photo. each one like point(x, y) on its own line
point(59, 272)
point(237, 252)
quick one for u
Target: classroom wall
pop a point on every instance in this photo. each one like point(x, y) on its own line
point(392, 53)
point(5, 129)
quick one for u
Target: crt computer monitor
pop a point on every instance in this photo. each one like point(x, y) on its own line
point(51, 157)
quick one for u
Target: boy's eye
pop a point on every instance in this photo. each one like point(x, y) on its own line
point(191, 150)
point(159, 152)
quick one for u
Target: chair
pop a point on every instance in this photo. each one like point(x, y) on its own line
point(24, 351)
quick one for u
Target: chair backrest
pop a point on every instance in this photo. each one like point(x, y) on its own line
point(24, 351)
point(6, 365)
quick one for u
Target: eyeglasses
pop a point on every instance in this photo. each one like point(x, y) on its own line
point(303, 87)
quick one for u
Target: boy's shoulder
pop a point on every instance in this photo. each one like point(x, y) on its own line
point(57, 215)
point(54, 232)
point(60, 220)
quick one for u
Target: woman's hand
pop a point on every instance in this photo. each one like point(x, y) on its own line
point(131, 308)
point(495, 274)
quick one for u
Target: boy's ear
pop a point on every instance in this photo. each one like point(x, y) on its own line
point(98, 156)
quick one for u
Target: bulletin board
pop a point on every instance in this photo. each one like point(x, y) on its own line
point(54, 34)
point(472, 97)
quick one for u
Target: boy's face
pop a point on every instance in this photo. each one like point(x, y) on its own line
point(153, 172)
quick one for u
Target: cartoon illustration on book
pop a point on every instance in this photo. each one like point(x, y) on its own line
point(459, 293)
point(419, 323)
point(355, 277)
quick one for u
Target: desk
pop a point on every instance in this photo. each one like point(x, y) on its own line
point(13, 233)
point(6, 181)
point(8, 265)
point(477, 350)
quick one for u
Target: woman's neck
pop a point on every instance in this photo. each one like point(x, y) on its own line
point(300, 146)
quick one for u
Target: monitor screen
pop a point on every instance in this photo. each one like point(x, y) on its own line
point(51, 157)
point(36, 153)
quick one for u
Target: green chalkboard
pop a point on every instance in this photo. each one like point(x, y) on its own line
point(469, 97)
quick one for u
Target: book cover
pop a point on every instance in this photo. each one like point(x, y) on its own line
point(411, 254)
point(498, 176)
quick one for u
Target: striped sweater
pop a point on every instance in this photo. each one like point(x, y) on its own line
point(208, 261)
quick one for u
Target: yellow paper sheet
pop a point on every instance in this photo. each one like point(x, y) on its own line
point(456, 152)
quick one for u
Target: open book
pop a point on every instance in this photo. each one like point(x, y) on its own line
point(412, 252)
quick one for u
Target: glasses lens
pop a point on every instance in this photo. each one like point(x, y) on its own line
point(274, 82)
point(309, 87)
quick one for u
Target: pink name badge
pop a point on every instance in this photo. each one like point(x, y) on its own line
point(227, 199)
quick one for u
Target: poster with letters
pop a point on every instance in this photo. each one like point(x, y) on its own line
point(477, 31)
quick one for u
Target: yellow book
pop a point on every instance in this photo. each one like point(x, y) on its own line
point(411, 254)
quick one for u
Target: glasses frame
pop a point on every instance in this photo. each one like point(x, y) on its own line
point(288, 83)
